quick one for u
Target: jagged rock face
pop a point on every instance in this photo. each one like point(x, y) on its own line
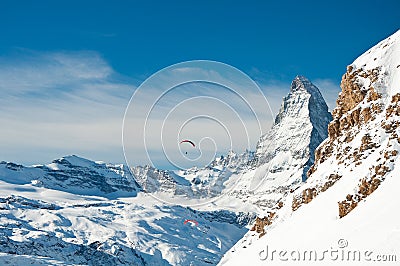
point(354, 91)
point(261, 223)
point(300, 126)
point(234, 161)
point(365, 123)
point(73, 171)
point(152, 179)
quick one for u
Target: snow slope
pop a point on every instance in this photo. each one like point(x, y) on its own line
point(347, 211)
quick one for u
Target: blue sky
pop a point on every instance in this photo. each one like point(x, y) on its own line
point(68, 68)
point(137, 38)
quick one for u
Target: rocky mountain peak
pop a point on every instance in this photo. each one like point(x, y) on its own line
point(300, 83)
point(302, 91)
point(300, 126)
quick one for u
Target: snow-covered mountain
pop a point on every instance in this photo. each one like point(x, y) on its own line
point(347, 211)
point(300, 126)
point(75, 175)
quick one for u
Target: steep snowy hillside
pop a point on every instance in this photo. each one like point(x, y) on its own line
point(348, 209)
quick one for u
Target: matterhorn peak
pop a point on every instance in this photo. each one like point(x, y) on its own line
point(300, 126)
point(302, 90)
point(302, 84)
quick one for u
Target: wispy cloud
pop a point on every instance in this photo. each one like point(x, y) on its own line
point(51, 71)
point(63, 102)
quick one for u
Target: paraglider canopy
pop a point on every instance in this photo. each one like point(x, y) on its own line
point(191, 222)
point(188, 141)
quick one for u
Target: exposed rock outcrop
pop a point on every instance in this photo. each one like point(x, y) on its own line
point(365, 124)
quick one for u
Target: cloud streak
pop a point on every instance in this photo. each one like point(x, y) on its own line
point(59, 103)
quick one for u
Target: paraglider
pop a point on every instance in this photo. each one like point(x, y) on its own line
point(192, 222)
point(188, 141)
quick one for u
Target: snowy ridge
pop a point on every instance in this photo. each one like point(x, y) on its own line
point(349, 200)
